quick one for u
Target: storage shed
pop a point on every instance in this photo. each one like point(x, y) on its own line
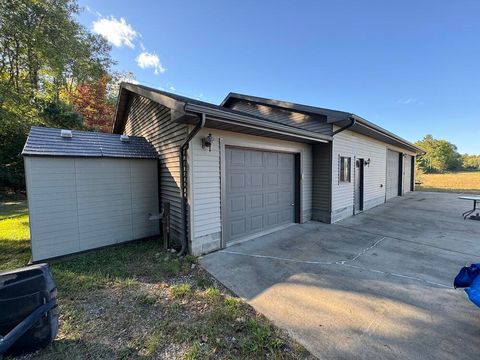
point(87, 190)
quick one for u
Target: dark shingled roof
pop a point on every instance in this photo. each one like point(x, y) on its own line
point(48, 142)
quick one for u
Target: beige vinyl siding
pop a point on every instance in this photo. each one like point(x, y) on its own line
point(77, 204)
point(354, 145)
point(153, 121)
point(205, 177)
point(311, 122)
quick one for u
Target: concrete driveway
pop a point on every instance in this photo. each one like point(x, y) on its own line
point(374, 286)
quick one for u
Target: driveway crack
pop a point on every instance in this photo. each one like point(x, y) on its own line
point(361, 253)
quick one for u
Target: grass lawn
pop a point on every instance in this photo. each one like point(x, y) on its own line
point(135, 301)
point(461, 182)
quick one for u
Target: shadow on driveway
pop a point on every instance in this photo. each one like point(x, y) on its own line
point(374, 286)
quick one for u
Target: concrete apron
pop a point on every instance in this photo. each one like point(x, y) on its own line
point(376, 286)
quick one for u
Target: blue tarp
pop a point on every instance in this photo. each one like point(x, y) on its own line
point(469, 278)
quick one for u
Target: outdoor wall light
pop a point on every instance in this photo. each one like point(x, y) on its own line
point(207, 142)
point(367, 162)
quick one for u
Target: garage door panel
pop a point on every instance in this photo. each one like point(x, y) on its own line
point(272, 179)
point(407, 174)
point(259, 191)
point(285, 215)
point(256, 201)
point(237, 204)
point(272, 199)
point(237, 181)
point(286, 197)
point(237, 158)
point(256, 159)
point(393, 164)
point(286, 161)
point(238, 227)
point(272, 160)
point(256, 222)
point(256, 180)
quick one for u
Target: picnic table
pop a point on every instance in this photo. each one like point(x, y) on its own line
point(476, 204)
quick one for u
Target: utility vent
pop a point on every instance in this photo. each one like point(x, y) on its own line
point(124, 138)
point(66, 133)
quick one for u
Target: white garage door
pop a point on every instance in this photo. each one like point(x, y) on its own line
point(77, 204)
point(393, 165)
point(260, 191)
point(407, 174)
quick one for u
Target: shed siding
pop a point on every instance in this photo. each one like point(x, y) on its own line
point(354, 145)
point(206, 182)
point(103, 202)
point(311, 122)
point(77, 204)
point(52, 204)
point(153, 121)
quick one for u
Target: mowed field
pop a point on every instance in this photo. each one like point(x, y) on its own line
point(464, 182)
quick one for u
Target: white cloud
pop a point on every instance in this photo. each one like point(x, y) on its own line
point(148, 60)
point(407, 101)
point(115, 31)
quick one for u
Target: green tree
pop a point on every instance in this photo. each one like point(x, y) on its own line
point(440, 156)
point(44, 54)
point(471, 162)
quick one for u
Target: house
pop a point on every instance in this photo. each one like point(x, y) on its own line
point(230, 172)
point(252, 165)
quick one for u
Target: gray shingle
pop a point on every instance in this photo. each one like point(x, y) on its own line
point(43, 141)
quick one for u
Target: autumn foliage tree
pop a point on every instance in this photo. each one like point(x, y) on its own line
point(45, 53)
point(92, 101)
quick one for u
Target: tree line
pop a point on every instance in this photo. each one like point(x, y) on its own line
point(53, 72)
point(442, 156)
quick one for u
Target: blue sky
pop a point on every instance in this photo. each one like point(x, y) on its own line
point(409, 66)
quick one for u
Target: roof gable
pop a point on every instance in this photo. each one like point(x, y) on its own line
point(339, 118)
point(187, 110)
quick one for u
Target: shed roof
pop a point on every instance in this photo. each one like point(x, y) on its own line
point(44, 141)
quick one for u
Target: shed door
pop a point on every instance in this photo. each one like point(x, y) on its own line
point(393, 163)
point(407, 174)
point(260, 191)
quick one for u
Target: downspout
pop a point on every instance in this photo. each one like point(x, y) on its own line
point(353, 121)
point(183, 187)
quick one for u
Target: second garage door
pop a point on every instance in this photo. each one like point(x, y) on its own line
point(393, 166)
point(259, 191)
point(407, 174)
